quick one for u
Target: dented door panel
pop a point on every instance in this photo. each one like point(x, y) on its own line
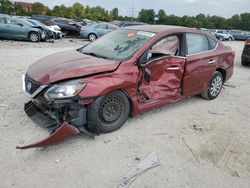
point(166, 79)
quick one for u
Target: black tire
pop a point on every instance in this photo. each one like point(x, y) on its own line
point(34, 37)
point(243, 63)
point(92, 37)
point(214, 87)
point(108, 113)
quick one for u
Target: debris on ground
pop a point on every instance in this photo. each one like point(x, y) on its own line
point(58, 160)
point(229, 85)
point(195, 127)
point(188, 147)
point(4, 105)
point(214, 113)
point(159, 134)
point(106, 140)
point(149, 162)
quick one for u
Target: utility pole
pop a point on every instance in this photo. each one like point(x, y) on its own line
point(132, 11)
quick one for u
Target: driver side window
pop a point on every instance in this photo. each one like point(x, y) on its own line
point(166, 46)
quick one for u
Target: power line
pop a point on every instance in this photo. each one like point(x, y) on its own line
point(132, 11)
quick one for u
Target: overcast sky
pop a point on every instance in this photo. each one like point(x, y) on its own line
point(225, 8)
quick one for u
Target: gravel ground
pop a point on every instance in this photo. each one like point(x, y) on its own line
point(199, 143)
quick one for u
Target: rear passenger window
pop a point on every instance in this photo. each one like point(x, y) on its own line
point(212, 43)
point(2, 20)
point(196, 43)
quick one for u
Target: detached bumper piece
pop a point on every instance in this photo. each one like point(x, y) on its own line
point(48, 117)
point(64, 131)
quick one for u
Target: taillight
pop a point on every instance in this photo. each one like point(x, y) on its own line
point(247, 42)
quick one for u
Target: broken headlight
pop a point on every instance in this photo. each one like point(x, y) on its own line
point(64, 90)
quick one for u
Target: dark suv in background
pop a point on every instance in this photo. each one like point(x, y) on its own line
point(245, 57)
point(68, 27)
point(240, 35)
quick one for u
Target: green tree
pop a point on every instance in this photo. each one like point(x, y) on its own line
point(38, 8)
point(147, 16)
point(61, 11)
point(245, 21)
point(77, 11)
point(162, 17)
point(173, 20)
point(5, 7)
point(115, 14)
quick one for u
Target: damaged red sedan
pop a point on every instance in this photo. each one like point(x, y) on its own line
point(95, 89)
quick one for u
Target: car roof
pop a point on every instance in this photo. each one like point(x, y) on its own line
point(156, 28)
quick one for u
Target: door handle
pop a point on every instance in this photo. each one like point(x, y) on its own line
point(173, 68)
point(211, 62)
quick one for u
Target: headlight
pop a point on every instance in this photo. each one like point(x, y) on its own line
point(64, 90)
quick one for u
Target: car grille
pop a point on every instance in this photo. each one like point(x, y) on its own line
point(39, 117)
point(30, 85)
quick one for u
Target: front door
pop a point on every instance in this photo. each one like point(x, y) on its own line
point(162, 73)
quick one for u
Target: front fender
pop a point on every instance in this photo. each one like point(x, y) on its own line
point(125, 78)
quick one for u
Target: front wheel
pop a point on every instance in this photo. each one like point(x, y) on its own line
point(92, 37)
point(214, 87)
point(108, 113)
point(34, 37)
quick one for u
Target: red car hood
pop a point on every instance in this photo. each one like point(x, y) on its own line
point(68, 64)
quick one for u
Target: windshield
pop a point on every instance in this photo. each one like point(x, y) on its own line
point(118, 45)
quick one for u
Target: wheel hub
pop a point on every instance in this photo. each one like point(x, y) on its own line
point(216, 86)
point(110, 111)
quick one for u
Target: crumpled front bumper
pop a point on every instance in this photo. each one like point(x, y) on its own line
point(64, 131)
point(60, 127)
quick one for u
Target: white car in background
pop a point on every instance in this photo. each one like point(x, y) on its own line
point(56, 29)
point(223, 35)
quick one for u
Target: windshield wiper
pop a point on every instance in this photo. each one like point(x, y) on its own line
point(95, 55)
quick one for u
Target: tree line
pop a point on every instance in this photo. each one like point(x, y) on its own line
point(97, 13)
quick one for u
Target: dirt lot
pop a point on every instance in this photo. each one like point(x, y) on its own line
point(217, 132)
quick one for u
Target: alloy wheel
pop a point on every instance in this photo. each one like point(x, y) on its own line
point(216, 86)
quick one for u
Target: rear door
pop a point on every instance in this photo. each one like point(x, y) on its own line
point(2, 27)
point(202, 61)
point(16, 29)
point(102, 29)
point(166, 68)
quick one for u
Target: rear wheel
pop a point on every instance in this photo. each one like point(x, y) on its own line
point(243, 63)
point(108, 113)
point(92, 37)
point(34, 37)
point(214, 87)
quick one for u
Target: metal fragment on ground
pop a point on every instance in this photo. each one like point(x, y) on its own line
point(147, 163)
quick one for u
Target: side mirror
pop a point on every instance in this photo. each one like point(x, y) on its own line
point(20, 24)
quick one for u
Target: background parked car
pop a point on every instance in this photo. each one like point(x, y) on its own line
point(68, 27)
point(94, 31)
point(53, 31)
point(245, 57)
point(126, 24)
point(83, 22)
point(49, 33)
point(223, 35)
point(240, 35)
point(44, 19)
point(16, 28)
